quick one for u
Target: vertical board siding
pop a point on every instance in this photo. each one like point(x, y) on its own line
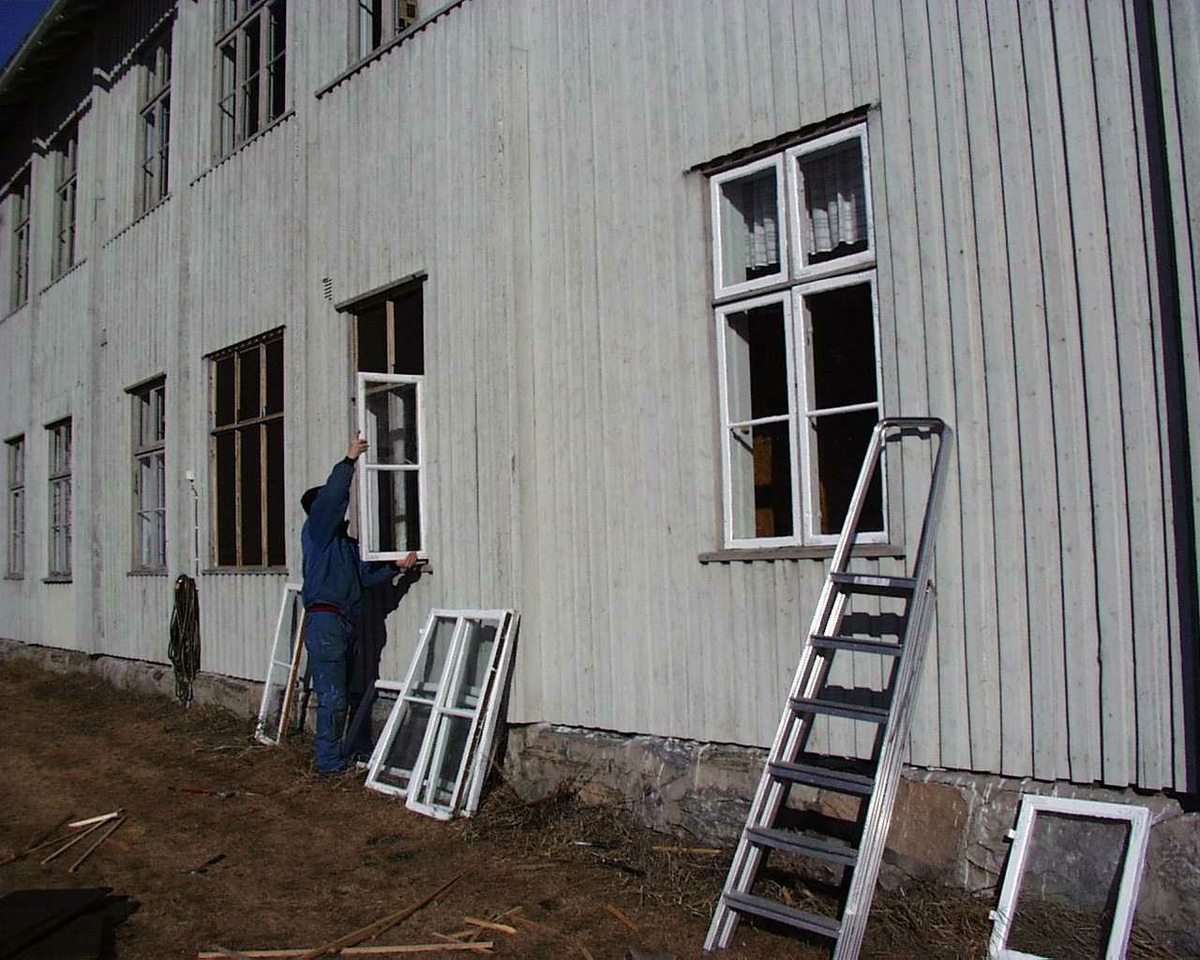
point(532, 158)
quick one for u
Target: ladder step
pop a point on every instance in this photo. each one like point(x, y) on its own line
point(857, 645)
point(838, 708)
point(877, 586)
point(832, 851)
point(822, 777)
point(771, 910)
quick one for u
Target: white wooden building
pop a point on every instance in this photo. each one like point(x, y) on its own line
point(603, 235)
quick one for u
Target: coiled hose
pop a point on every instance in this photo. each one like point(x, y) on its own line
point(184, 648)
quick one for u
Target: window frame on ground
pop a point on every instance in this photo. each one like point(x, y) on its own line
point(248, 478)
point(66, 183)
point(791, 287)
point(374, 23)
point(58, 553)
point(250, 70)
point(15, 473)
point(21, 195)
point(154, 120)
point(149, 404)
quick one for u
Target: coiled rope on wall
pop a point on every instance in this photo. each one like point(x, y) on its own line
point(184, 647)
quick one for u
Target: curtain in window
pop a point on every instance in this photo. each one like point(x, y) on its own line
point(837, 206)
point(762, 222)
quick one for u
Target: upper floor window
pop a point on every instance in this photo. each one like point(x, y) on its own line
point(375, 22)
point(19, 195)
point(66, 166)
point(150, 476)
point(251, 68)
point(247, 454)
point(60, 499)
point(797, 333)
point(16, 506)
point(155, 122)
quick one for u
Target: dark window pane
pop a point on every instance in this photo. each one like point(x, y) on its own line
point(276, 515)
point(410, 333)
point(842, 326)
point(841, 444)
point(226, 499)
point(250, 398)
point(224, 389)
point(252, 498)
point(275, 376)
point(750, 228)
point(372, 340)
point(756, 363)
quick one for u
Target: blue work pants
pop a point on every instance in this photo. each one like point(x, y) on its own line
point(329, 640)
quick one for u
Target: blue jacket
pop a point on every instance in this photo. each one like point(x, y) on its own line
point(333, 571)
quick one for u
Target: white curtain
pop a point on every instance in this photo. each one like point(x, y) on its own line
point(837, 207)
point(761, 210)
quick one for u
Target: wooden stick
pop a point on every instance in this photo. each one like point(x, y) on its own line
point(74, 840)
point(376, 928)
point(490, 925)
point(483, 946)
point(100, 819)
point(705, 851)
point(43, 840)
point(221, 951)
point(104, 836)
point(622, 917)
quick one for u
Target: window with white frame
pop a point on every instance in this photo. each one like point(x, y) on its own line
point(797, 332)
point(60, 499)
point(389, 343)
point(250, 527)
point(19, 195)
point(375, 22)
point(16, 506)
point(149, 476)
point(155, 120)
point(251, 68)
point(66, 167)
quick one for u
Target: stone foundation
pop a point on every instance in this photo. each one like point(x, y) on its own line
point(947, 827)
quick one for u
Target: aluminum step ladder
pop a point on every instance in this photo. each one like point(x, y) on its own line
point(789, 764)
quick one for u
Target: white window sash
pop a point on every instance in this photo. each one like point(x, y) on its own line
point(720, 288)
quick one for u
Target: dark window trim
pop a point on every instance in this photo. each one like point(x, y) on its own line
point(377, 296)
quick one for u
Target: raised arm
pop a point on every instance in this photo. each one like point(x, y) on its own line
point(328, 510)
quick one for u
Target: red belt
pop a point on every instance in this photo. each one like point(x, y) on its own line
point(326, 608)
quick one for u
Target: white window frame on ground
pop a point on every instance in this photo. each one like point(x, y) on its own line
point(16, 507)
point(66, 171)
point(369, 531)
point(790, 287)
point(373, 23)
point(251, 69)
point(1138, 818)
point(149, 476)
point(155, 121)
point(20, 193)
point(59, 553)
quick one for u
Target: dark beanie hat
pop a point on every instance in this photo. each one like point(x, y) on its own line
point(310, 495)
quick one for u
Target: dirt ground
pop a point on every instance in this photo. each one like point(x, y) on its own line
point(307, 860)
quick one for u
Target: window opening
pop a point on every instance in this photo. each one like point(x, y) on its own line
point(66, 165)
point(149, 477)
point(60, 498)
point(376, 22)
point(155, 113)
point(16, 506)
point(20, 195)
point(251, 67)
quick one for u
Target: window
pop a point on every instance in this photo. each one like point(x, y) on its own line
point(16, 507)
point(375, 22)
point(797, 333)
point(155, 120)
point(60, 499)
point(390, 357)
point(66, 164)
point(247, 454)
point(251, 68)
point(20, 194)
point(149, 476)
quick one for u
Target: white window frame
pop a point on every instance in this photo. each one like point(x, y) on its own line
point(156, 447)
point(367, 532)
point(16, 506)
point(1138, 818)
point(58, 554)
point(720, 289)
point(795, 155)
point(284, 668)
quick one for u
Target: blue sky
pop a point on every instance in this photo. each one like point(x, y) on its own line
point(17, 18)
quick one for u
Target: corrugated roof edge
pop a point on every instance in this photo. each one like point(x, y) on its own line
point(394, 42)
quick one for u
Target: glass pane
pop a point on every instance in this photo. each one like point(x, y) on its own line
point(226, 498)
point(761, 481)
point(250, 489)
point(160, 413)
point(250, 397)
point(224, 391)
point(835, 203)
point(391, 420)
point(756, 363)
point(750, 228)
point(276, 519)
point(841, 325)
point(839, 443)
point(478, 644)
point(145, 539)
point(274, 376)
point(278, 60)
point(427, 676)
point(147, 484)
point(394, 507)
point(447, 760)
point(252, 52)
point(405, 746)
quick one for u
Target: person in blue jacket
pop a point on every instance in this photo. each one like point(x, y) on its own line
point(334, 579)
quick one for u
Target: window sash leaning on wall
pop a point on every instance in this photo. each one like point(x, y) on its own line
point(16, 507)
point(60, 499)
point(777, 254)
